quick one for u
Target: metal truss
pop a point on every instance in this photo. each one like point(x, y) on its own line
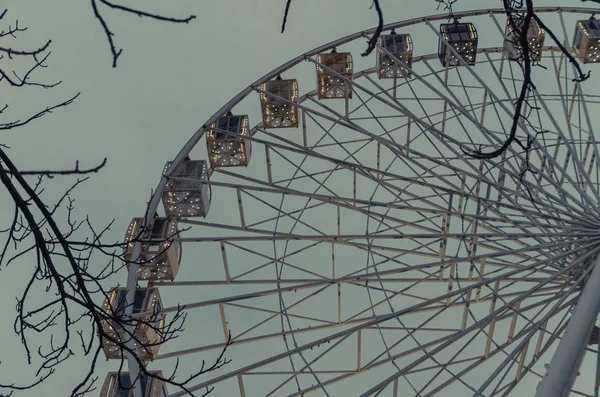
point(365, 253)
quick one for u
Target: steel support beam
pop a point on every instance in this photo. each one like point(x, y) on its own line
point(562, 370)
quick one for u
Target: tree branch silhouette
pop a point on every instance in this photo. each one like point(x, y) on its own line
point(45, 234)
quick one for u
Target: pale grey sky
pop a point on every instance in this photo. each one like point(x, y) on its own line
point(170, 79)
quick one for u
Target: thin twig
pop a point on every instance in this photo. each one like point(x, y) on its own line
point(285, 14)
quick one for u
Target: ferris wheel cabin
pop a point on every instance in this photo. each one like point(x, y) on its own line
point(147, 335)
point(333, 73)
point(586, 42)
point(187, 193)
point(535, 40)
point(227, 142)
point(119, 385)
point(460, 37)
point(394, 56)
point(277, 100)
point(160, 257)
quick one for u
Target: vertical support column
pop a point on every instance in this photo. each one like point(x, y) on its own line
point(562, 370)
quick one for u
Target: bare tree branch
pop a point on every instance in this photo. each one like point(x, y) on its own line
point(285, 14)
point(110, 35)
point(522, 28)
point(373, 41)
point(60, 261)
point(73, 171)
point(19, 123)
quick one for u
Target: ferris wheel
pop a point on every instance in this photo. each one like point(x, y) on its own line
point(330, 219)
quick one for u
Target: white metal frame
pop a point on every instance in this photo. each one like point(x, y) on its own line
point(575, 204)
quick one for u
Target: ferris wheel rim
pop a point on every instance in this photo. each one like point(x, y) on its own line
point(186, 149)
